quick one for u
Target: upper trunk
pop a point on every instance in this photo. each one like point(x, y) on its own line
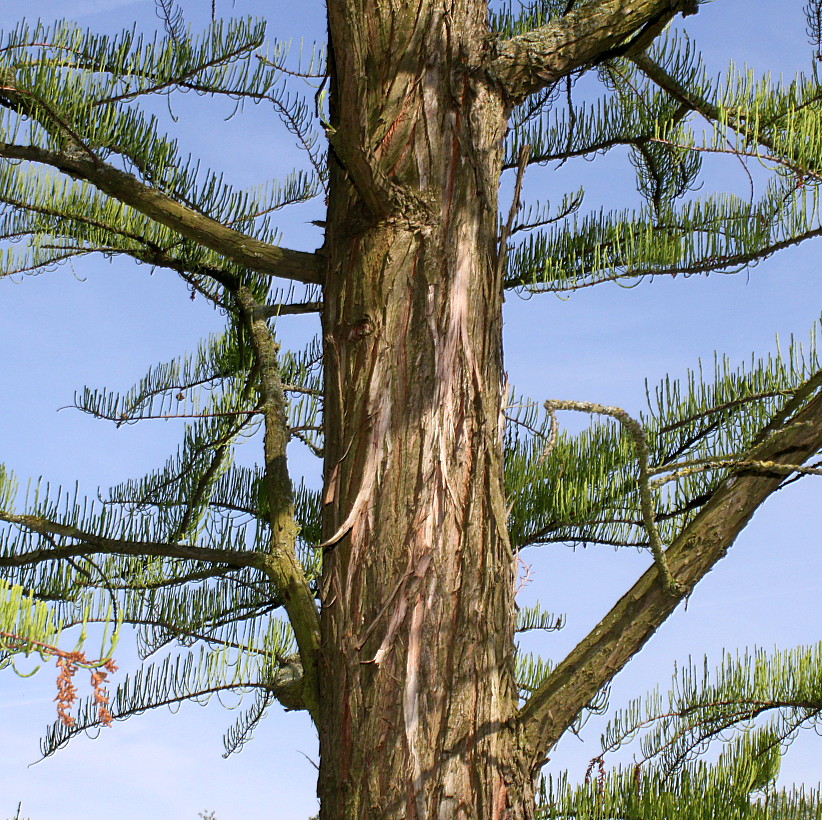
point(418, 583)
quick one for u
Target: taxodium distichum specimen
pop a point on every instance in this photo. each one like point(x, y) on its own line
point(383, 603)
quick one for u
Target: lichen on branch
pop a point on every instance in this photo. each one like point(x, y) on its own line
point(595, 31)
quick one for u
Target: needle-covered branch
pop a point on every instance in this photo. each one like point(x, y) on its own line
point(239, 247)
point(282, 564)
point(283, 685)
point(696, 102)
point(639, 613)
point(536, 59)
point(679, 469)
point(86, 543)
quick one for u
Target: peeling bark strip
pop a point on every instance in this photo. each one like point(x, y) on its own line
point(417, 618)
point(418, 579)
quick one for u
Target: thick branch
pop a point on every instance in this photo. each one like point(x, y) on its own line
point(381, 195)
point(377, 191)
point(287, 684)
point(239, 247)
point(593, 32)
point(640, 612)
point(282, 565)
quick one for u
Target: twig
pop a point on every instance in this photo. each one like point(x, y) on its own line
point(552, 439)
point(685, 468)
point(646, 501)
point(516, 204)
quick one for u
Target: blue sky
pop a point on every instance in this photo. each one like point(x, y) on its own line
point(105, 324)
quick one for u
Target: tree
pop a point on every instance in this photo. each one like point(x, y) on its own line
point(398, 577)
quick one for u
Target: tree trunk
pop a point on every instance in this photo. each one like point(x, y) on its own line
point(418, 695)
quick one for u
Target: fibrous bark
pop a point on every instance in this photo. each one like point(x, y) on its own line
point(418, 701)
point(417, 618)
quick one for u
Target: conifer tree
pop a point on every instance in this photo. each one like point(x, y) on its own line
point(383, 603)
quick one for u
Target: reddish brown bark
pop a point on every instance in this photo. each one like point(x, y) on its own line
point(417, 618)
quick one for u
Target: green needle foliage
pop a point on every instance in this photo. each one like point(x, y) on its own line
point(698, 432)
point(183, 555)
point(738, 786)
point(25, 624)
point(752, 707)
point(784, 687)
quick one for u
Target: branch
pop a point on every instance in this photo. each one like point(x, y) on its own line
point(282, 565)
point(381, 195)
point(730, 263)
point(680, 469)
point(89, 544)
point(594, 32)
point(269, 311)
point(148, 252)
point(173, 581)
point(657, 74)
point(640, 612)
point(287, 684)
point(281, 686)
point(693, 734)
point(646, 501)
point(516, 205)
point(161, 258)
point(245, 250)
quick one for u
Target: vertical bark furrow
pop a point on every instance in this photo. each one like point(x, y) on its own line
point(418, 571)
